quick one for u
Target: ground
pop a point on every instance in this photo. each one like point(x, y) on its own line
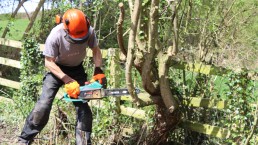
point(8, 135)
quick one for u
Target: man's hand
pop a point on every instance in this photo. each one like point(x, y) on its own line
point(100, 77)
point(72, 89)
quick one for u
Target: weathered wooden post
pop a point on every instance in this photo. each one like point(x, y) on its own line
point(113, 53)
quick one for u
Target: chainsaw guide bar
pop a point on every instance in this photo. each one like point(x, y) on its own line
point(101, 93)
point(95, 91)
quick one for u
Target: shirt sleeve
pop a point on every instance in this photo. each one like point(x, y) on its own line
point(93, 41)
point(51, 46)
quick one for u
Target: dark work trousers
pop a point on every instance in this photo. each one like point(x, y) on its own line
point(39, 116)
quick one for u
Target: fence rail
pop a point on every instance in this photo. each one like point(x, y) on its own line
point(9, 83)
point(138, 113)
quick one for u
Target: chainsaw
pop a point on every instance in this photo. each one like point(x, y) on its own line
point(94, 91)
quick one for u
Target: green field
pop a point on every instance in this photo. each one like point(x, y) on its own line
point(17, 27)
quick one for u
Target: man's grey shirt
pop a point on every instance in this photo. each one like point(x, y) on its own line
point(66, 53)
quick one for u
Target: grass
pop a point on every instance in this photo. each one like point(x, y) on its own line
point(17, 28)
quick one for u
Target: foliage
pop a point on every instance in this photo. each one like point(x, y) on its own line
point(227, 30)
point(189, 84)
point(240, 112)
point(10, 115)
point(31, 74)
point(46, 22)
point(108, 126)
point(212, 30)
point(238, 89)
point(104, 121)
point(105, 22)
point(44, 25)
point(95, 11)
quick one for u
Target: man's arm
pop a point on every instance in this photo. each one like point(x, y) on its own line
point(51, 65)
point(97, 57)
point(98, 73)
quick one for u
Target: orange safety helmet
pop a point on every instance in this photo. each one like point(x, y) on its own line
point(76, 24)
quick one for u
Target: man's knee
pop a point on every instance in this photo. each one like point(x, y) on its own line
point(40, 114)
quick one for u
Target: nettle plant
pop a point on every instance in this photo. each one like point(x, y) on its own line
point(31, 74)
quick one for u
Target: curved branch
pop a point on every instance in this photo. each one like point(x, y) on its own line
point(131, 46)
point(120, 39)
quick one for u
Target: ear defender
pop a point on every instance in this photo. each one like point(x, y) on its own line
point(59, 19)
point(88, 21)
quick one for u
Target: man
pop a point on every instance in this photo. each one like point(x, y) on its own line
point(65, 49)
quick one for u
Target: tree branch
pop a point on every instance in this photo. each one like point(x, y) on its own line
point(33, 18)
point(150, 84)
point(26, 12)
point(164, 59)
point(174, 50)
point(120, 39)
point(130, 3)
point(140, 43)
point(131, 46)
point(165, 89)
point(141, 49)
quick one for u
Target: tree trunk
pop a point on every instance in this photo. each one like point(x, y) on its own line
point(154, 78)
point(165, 122)
point(12, 16)
point(33, 18)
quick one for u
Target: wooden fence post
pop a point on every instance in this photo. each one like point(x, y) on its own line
point(113, 53)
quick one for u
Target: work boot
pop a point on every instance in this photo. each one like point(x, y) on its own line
point(88, 138)
point(22, 143)
point(83, 137)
